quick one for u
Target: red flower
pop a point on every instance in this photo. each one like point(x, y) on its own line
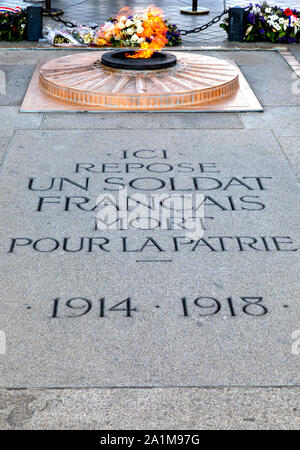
point(288, 12)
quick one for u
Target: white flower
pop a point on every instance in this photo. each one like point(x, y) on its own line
point(135, 38)
point(128, 23)
point(121, 25)
point(141, 40)
point(296, 25)
point(140, 30)
point(137, 22)
point(268, 10)
point(123, 19)
point(281, 20)
point(130, 31)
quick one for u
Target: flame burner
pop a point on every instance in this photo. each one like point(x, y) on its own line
point(111, 81)
point(118, 60)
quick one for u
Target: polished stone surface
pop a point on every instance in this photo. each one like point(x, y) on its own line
point(140, 121)
point(17, 81)
point(151, 409)
point(4, 140)
point(290, 142)
point(232, 347)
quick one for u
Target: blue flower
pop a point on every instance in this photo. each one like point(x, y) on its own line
point(251, 18)
point(262, 31)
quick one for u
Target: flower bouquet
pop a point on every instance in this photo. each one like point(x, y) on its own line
point(270, 23)
point(148, 30)
point(13, 24)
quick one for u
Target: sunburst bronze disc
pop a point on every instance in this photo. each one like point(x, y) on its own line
point(82, 79)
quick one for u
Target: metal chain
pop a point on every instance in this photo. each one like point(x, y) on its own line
point(67, 23)
point(182, 32)
point(206, 25)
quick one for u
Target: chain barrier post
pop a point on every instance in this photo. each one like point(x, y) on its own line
point(236, 24)
point(34, 22)
point(51, 11)
point(194, 10)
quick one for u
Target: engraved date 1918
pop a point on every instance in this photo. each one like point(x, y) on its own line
point(202, 306)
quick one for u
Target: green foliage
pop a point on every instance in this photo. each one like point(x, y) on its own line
point(13, 26)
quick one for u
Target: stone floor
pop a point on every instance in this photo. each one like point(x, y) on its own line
point(151, 374)
point(253, 381)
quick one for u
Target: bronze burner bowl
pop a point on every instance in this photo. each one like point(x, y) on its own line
point(118, 60)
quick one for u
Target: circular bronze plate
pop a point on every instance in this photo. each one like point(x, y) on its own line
point(82, 79)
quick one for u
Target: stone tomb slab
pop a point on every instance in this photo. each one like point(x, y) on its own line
point(216, 311)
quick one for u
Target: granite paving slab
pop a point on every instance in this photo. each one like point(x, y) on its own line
point(142, 121)
point(82, 306)
point(151, 409)
point(11, 119)
point(279, 117)
point(291, 147)
point(4, 140)
point(17, 81)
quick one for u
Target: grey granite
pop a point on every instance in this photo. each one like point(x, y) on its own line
point(10, 119)
point(291, 147)
point(273, 87)
point(4, 140)
point(277, 118)
point(17, 80)
point(158, 345)
point(3, 145)
point(295, 50)
point(151, 409)
point(267, 58)
point(22, 57)
point(142, 121)
point(287, 131)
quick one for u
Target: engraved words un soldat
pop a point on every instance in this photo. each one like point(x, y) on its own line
point(149, 171)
